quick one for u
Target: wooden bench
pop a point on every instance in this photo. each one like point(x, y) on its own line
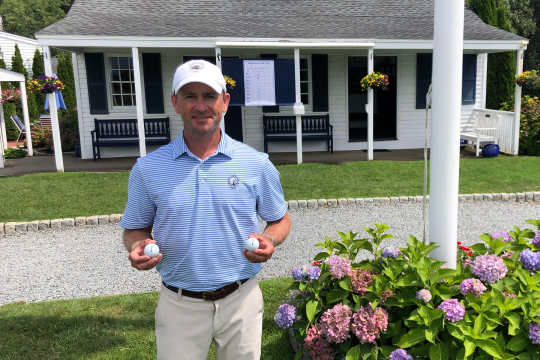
point(124, 132)
point(283, 128)
point(485, 129)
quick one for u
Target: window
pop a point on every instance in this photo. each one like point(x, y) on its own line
point(304, 81)
point(122, 81)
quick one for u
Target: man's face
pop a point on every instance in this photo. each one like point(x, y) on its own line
point(200, 107)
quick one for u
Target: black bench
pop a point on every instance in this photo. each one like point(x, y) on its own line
point(283, 128)
point(124, 132)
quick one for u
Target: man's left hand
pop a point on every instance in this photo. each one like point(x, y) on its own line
point(263, 253)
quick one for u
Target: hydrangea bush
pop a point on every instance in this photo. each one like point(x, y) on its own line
point(401, 304)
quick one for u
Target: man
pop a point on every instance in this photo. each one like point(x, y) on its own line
point(201, 196)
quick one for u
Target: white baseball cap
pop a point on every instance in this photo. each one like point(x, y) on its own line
point(199, 71)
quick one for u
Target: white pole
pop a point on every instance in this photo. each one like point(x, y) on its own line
point(445, 126)
point(369, 109)
point(75, 65)
point(26, 119)
point(298, 101)
point(218, 64)
point(2, 134)
point(517, 105)
point(138, 97)
point(54, 115)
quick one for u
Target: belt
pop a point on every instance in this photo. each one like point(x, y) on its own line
point(212, 295)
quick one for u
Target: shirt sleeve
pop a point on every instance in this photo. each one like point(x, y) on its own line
point(140, 209)
point(270, 200)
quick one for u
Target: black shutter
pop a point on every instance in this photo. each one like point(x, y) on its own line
point(269, 109)
point(423, 78)
point(97, 86)
point(468, 90)
point(153, 84)
point(319, 76)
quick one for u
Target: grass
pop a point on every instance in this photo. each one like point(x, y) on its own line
point(114, 327)
point(52, 196)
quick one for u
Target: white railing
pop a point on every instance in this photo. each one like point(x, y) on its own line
point(506, 126)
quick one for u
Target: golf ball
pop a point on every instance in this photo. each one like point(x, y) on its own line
point(151, 250)
point(252, 244)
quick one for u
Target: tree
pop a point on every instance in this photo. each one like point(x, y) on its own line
point(4, 84)
point(38, 69)
point(17, 65)
point(532, 54)
point(65, 74)
point(501, 66)
point(520, 15)
point(27, 17)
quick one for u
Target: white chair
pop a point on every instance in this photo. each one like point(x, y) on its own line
point(486, 129)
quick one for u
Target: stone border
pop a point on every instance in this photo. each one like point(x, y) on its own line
point(68, 223)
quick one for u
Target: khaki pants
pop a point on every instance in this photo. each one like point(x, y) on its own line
point(186, 326)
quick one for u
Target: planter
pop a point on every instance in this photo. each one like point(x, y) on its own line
point(296, 346)
point(463, 143)
point(47, 91)
point(78, 150)
point(490, 150)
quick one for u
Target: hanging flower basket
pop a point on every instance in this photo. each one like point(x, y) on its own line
point(229, 82)
point(375, 80)
point(45, 84)
point(529, 79)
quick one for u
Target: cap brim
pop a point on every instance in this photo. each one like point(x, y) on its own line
point(217, 88)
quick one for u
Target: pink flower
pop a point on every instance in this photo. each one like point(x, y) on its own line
point(339, 266)
point(318, 347)
point(368, 324)
point(360, 280)
point(335, 323)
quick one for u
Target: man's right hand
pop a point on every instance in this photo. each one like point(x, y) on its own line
point(141, 261)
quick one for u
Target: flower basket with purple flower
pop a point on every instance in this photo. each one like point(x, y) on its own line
point(45, 84)
point(362, 299)
point(529, 79)
point(375, 80)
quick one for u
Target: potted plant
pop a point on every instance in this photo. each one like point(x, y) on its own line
point(11, 95)
point(529, 79)
point(45, 84)
point(229, 82)
point(375, 80)
point(401, 304)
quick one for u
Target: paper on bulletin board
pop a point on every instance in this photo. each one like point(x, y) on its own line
point(259, 82)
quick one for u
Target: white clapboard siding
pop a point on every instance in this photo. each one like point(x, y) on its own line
point(26, 46)
point(411, 121)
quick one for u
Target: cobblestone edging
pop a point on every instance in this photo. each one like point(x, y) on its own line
point(57, 224)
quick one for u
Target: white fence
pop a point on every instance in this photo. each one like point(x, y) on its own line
point(506, 129)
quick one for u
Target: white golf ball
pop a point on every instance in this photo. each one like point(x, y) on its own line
point(151, 250)
point(252, 244)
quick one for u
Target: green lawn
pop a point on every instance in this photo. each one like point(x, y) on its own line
point(51, 196)
point(113, 327)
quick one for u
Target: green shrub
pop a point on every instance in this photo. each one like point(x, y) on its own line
point(11, 130)
point(41, 137)
point(14, 153)
point(69, 129)
point(401, 299)
point(529, 128)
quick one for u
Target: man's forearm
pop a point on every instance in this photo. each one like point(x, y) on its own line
point(278, 230)
point(132, 238)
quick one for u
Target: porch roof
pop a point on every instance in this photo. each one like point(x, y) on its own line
point(277, 19)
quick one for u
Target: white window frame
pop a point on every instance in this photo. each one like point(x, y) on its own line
point(113, 107)
point(310, 83)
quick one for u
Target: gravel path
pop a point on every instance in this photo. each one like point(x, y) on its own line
point(85, 262)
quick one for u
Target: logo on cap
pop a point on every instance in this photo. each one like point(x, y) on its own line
point(196, 66)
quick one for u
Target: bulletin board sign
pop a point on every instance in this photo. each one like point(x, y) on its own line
point(260, 81)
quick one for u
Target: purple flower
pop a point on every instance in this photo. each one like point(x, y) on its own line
point(339, 266)
point(298, 274)
point(313, 272)
point(285, 316)
point(474, 286)
point(309, 271)
point(368, 323)
point(424, 295)
point(390, 252)
point(453, 309)
point(506, 236)
point(536, 240)
point(400, 354)
point(335, 323)
point(530, 260)
point(489, 268)
point(534, 332)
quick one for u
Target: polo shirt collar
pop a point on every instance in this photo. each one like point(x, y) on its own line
point(225, 146)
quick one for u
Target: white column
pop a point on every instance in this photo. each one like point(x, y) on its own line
point(26, 119)
point(517, 105)
point(298, 101)
point(75, 65)
point(218, 64)
point(3, 142)
point(54, 115)
point(138, 95)
point(445, 126)
point(369, 109)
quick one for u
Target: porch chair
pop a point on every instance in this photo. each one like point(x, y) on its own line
point(486, 129)
point(20, 126)
point(45, 121)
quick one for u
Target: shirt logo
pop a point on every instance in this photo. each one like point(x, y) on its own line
point(196, 66)
point(233, 181)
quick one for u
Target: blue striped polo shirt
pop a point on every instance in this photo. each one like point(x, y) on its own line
point(203, 211)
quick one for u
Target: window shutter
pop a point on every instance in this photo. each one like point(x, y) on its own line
point(423, 78)
point(468, 90)
point(153, 84)
point(319, 77)
point(269, 109)
point(97, 86)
